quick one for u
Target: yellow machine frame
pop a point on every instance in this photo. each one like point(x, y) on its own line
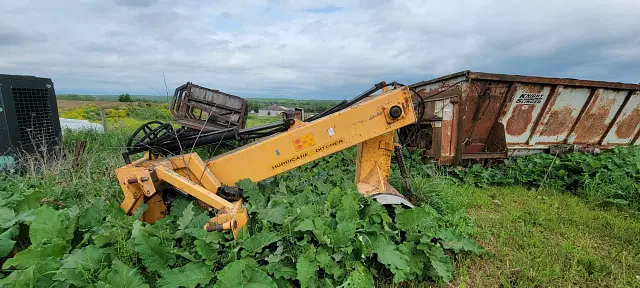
point(370, 124)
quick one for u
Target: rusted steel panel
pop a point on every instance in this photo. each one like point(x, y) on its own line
point(441, 113)
point(522, 104)
point(484, 115)
point(600, 111)
point(550, 81)
point(484, 99)
point(201, 108)
point(560, 116)
point(627, 124)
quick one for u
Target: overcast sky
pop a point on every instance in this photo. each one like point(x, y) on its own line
point(311, 49)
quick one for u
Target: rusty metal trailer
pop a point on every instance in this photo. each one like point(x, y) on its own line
point(205, 109)
point(473, 115)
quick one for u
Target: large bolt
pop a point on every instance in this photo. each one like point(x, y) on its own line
point(395, 112)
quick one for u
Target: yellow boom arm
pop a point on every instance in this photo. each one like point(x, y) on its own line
point(370, 124)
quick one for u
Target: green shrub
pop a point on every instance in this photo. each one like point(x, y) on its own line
point(124, 98)
point(611, 177)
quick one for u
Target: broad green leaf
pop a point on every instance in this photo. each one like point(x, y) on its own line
point(6, 214)
point(37, 254)
point(416, 218)
point(7, 242)
point(208, 251)
point(441, 263)
point(6, 246)
point(186, 254)
point(208, 237)
point(82, 266)
point(30, 200)
point(189, 276)
point(349, 208)
point(322, 256)
point(258, 241)
point(26, 278)
point(278, 255)
point(185, 219)
point(110, 233)
point(344, 233)
point(333, 200)
point(306, 271)
point(328, 264)
point(10, 196)
point(324, 188)
point(308, 211)
point(178, 205)
point(282, 186)
point(416, 261)
point(94, 215)
point(123, 276)
point(156, 256)
point(50, 225)
point(376, 212)
point(198, 221)
point(163, 229)
point(360, 277)
point(305, 225)
point(284, 283)
point(274, 214)
point(337, 271)
point(22, 217)
point(250, 190)
point(280, 270)
point(243, 273)
point(390, 257)
point(322, 230)
point(457, 242)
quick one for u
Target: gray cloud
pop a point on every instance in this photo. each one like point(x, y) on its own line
point(328, 49)
point(15, 38)
point(136, 3)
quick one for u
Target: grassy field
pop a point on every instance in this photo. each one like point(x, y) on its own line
point(549, 239)
point(534, 237)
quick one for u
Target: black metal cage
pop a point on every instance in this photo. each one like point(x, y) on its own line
point(28, 114)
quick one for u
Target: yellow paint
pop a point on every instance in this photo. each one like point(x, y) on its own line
point(354, 125)
point(290, 161)
point(362, 125)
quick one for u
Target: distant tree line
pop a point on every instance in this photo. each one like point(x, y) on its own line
point(311, 106)
point(75, 97)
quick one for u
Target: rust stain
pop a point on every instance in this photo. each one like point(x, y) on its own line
point(593, 125)
point(559, 122)
point(551, 81)
point(628, 125)
point(520, 119)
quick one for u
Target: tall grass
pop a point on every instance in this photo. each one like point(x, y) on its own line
point(59, 178)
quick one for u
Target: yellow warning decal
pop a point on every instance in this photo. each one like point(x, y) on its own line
point(303, 142)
